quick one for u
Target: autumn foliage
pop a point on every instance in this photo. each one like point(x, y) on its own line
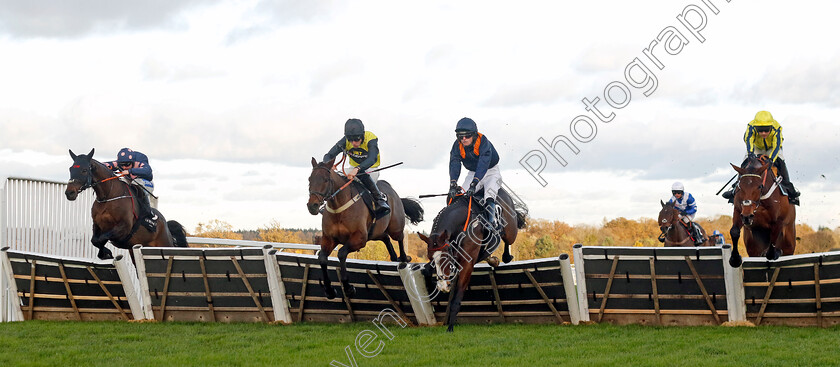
point(540, 239)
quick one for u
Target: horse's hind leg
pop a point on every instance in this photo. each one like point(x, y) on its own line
point(349, 289)
point(390, 247)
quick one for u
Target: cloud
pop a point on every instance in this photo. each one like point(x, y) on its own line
point(268, 15)
point(814, 82)
point(73, 19)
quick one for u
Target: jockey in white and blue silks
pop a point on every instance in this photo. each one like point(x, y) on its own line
point(687, 206)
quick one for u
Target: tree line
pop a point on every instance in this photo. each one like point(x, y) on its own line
point(540, 239)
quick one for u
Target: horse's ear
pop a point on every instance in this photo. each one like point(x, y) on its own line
point(314, 162)
point(662, 202)
point(72, 155)
point(444, 235)
point(737, 169)
point(90, 155)
point(765, 166)
point(424, 238)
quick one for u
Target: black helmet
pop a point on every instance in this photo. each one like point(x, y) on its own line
point(466, 125)
point(354, 128)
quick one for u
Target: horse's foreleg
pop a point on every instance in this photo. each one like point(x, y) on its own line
point(735, 232)
point(327, 246)
point(99, 240)
point(349, 289)
point(773, 252)
point(458, 295)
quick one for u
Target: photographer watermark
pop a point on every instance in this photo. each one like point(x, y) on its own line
point(583, 128)
point(366, 340)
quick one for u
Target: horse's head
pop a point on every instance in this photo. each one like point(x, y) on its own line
point(668, 216)
point(751, 182)
point(81, 175)
point(439, 251)
point(320, 185)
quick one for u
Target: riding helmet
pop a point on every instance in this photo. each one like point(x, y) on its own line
point(466, 125)
point(125, 155)
point(354, 127)
point(677, 186)
point(763, 118)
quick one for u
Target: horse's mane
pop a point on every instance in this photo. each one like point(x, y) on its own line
point(458, 203)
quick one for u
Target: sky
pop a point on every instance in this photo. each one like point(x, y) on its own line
point(231, 100)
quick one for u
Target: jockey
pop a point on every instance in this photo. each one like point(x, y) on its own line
point(363, 149)
point(717, 238)
point(135, 166)
point(688, 209)
point(764, 137)
point(479, 157)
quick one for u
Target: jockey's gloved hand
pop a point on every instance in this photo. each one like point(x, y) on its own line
point(683, 213)
point(471, 190)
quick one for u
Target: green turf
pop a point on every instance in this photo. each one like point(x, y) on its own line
point(175, 344)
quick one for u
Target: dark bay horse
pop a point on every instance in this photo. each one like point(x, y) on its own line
point(347, 221)
point(767, 216)
point(454, 247)
point(675, 230)
point(114, 211)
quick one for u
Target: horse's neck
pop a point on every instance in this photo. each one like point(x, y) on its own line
point(343, 195)
point(107, 189)
point(450, 218)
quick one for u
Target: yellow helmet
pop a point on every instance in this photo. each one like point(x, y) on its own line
point(763, 118)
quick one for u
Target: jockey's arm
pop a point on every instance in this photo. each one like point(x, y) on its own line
point(454, 163)
point(748, 139)
point(777, 145)
point(336, 149)
point(691, 205)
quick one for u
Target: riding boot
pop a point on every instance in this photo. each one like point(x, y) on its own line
point(698, 237)
point(382, 208)
point(730, 194)
point(490, 206)
point(793, 195)
point(145, 215)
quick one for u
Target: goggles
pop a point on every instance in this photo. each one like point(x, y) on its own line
point(354, 137)
point(676, 192)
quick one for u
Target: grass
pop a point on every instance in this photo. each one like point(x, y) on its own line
point(37, 343)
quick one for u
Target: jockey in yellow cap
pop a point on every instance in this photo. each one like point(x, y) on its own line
point(764, 137)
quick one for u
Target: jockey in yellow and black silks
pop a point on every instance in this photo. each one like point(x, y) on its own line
point(764, 137)
point(481, 160)
point(362, 147)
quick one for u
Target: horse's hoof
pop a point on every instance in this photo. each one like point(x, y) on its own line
point(493, 261)
point(330, 292)
point(349, 291)
point(395, 259)
point(506, 258)
point(773, 254)
point(407, 259)
point(735, 261)
point(451, 328)
point(105, 254)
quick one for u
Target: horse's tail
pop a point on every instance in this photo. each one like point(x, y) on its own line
point(178, 233)
point(413, 210)
point(521, 215)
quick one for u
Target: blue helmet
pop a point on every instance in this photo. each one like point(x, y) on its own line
point(466, 125)
point(717, 233)
point(125, 155)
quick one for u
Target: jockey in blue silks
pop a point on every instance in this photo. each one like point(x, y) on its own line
point(685, 203)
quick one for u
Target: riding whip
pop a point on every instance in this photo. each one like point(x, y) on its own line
point(726, 184)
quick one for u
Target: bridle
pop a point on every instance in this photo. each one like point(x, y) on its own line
point(325, 195)
point(90, 183)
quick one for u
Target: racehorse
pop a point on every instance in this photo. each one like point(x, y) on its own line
point(454, 246)
point(353, 225)
point(115, 210)
point(674, 230)
point(767, 215)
